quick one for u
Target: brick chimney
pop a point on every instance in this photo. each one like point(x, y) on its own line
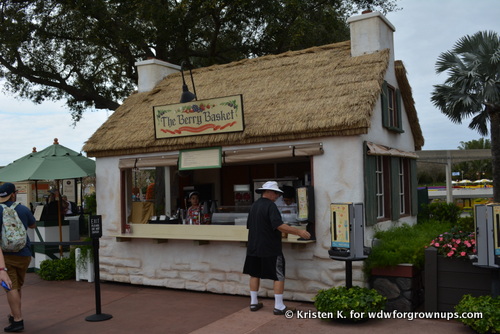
point(371, 32)
point(152, 71)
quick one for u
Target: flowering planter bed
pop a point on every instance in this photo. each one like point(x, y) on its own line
point(448, 279)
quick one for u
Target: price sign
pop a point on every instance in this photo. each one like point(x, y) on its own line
point(95, 227)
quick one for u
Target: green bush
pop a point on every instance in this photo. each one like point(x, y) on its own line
point(488, 306)
point(403, 244)
point(57, 270)
point(345, 300)
point(465, 224)
point(90, 204)
point(439, 211)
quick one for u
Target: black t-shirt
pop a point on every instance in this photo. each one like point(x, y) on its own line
point(264, 238)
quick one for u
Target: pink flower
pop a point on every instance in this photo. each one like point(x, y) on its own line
point(436, 244)
point(463, 253)
point(458, 241)
point(450, 254)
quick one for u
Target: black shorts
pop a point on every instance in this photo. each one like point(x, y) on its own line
point(272, 267)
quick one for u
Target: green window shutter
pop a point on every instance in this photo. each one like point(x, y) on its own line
point(370, 189)
point(395, 206)
point(385, 105)
point(414, 187)
point(399, 111)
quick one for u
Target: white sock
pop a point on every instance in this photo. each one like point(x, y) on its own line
point(253, 297)
point(278, 302)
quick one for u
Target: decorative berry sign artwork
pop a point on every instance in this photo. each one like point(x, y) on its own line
point(212, 116)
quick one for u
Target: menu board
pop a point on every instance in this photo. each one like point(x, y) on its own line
point(302, 204)
point(200, 158)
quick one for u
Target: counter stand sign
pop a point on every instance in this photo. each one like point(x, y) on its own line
point(95, 234)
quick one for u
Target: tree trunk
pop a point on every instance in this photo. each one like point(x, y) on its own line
point(495, 152)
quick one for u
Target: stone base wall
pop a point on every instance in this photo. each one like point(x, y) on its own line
point(217, 267)
point(403, 294)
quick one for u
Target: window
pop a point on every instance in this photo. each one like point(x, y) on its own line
point(390, 187)
point(391, 108)
point(379, 193)
point(402, 202)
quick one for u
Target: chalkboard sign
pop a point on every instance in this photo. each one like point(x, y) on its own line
point(95, 227)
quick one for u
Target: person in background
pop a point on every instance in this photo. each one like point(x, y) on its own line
point(71, 208)
point(286, 203)
point(16, 263)
point(264, 258)
point(194, 211)
point(50, 210)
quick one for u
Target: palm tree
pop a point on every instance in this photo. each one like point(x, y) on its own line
point(473, 89)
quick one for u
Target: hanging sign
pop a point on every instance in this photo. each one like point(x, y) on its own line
point(212, 116)
point(200, 158)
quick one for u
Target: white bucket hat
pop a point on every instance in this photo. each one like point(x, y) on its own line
point(269, 185)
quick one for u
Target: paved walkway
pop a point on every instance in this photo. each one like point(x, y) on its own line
point(61, 308)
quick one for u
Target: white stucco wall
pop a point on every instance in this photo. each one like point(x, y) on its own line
point(217, 266)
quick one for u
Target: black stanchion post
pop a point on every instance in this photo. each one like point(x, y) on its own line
point(348, 274)
point(95, 234)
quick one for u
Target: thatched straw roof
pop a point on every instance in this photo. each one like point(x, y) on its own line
point(317, 92)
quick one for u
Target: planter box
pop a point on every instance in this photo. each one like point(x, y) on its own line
point(447, 280)
point(85, 272)
point(402, 285)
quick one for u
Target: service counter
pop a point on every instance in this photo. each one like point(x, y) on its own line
point(201, 233)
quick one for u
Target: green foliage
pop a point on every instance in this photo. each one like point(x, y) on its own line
point(84, 51)
point(90, 204)
point(57, 270)
point(465, 224)
point(344, 299)
point(475, 169)
point(403, 244)
point(488, 306)
point(469, 92)
point(439, 211)
point(86, 252)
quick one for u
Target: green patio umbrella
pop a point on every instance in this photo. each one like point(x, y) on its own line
point(55, 162)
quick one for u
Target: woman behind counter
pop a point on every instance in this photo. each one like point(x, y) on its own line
point(194, 211)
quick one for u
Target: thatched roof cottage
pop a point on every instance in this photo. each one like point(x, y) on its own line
point(336, 119)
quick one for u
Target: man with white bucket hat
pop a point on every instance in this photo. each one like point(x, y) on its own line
point(264, 259)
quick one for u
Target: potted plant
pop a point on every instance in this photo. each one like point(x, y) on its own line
point(84, 262)
point(349, 304)
point(487, 306)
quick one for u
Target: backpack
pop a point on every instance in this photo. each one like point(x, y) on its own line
point(13, 230)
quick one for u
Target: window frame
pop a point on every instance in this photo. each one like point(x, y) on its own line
point(391, 108)
point(385, 177)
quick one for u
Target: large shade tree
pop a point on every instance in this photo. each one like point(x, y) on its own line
point(472, 89)
point(83, 51)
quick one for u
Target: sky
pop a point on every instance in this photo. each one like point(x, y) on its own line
point(424, 29)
